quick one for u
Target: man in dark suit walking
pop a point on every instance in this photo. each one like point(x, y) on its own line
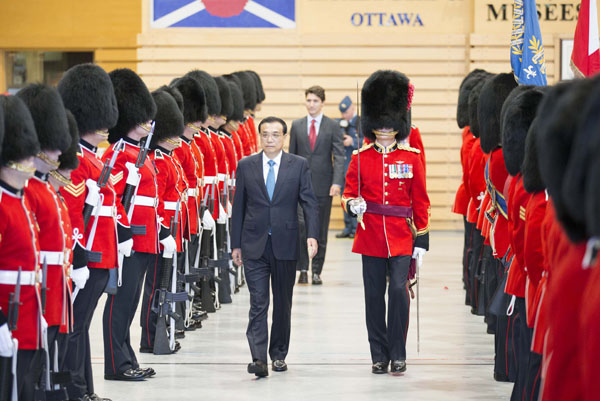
point(264, 234)
point(319, 139)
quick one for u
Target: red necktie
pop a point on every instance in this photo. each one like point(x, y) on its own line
point(312, 135)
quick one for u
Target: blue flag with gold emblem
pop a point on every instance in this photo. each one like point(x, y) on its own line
point(526, 48)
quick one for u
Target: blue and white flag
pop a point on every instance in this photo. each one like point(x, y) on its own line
point(223, 14)
point(526, 48)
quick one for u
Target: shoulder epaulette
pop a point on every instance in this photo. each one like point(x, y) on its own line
point(363, 148)
point(409, 148)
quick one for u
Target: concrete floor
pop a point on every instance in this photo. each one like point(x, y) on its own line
point(329, 353)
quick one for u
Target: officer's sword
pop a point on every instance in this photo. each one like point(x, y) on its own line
point(359, 217)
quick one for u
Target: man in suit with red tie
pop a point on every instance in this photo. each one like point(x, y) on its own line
point(318, 139)
point(264, 234)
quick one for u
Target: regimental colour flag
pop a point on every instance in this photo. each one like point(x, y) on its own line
point(526, 48)
point(585, 59)
point(223, 14)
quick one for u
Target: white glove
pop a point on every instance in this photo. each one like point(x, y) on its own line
point(125, 247)
point(133, 177)
point(44, 323)
point(6, 344)
point(80, 276)
point(418, 254)
point(170, 246)
point(222, 215)
point(208, 223)
point(358, 206)
point(93, 195)
point(229, 209)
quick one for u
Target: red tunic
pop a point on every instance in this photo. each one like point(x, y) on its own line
point(415, 141)
point(170, 189)
point(143, 215)
point(518, 199)
point(392, 176)
point(476, 179)
point(237, 141)
point(245, 138)
point(207, 149)
point(230, 153)
point(199, 170)
point(222, 169)
point(45, 208)
point(188, 163)
point(495, 181)
point(590, 346)
point(19, 247)
point(462, 198)
point(251, 127)
point(534, 256)
point(67, 325)
point(105, 239)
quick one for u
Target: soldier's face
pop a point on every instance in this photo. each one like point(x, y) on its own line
point(271, 138)
point(314, 104)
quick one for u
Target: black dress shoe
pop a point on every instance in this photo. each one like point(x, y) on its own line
point(146, 350)
point(303, 279)
point(95, 397)
point(379, 368)
point(147, 372)
point(279, 365)
point(316, 279)
point(343, 234)
point(179, 334)
point(259, 368)
point(398, 366)
point(130, 375)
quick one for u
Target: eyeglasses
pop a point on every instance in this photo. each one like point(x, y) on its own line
point(273, 136)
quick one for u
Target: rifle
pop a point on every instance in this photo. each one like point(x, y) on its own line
point(133, 177)
point(164, 304)
point(14, 301)
point(44, 285)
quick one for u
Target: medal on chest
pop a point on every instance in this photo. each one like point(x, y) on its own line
point(400, 170)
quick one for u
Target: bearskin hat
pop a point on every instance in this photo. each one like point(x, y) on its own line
point(134, 100)
point(88, 92)
point(248, 88)
point(555, 144)
point(171, 90)
point(462, 107)
point(225, 95)
point(530, 169)
point(20, 139)
point(260, 92)
point(68, 159)
point(385, 104)
point(473, 103)
point(168, 119)
point(237, 99)
point(492, 97)
point(211, 91)
point(586, 142)
point(517, 114)
point(48, 113)
point(194, 99)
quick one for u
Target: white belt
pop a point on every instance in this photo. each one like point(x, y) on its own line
point(221, 177)
point(52, 258)
point(145, 201)
point(170, 205)
point(193, 192)
point(232, 182)
point(9, 277)
point(106, 211)
point(210, 180)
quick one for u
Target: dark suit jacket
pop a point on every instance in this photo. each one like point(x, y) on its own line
point(253, 212)
point(326, 162)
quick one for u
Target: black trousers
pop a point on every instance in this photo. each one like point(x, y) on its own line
point(27, 374)
point(474, 266)
point(119, 312)
point(148, 318)
point(282, 274)
point(522, 349)
point(77, 357)
point(387, 342)
point(534, 377)
point(467, 255)
point(319, 259)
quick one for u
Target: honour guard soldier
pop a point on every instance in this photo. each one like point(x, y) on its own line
point(235, 119)
point(95, 240)
point(170, 191)
point(389, 195)
point(249, 91)
point(134, 179)
point(19, 247)
point(50, 121)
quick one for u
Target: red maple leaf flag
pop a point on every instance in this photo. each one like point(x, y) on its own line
point(585, 59)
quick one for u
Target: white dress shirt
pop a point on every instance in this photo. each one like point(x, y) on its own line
point(277, 160)
point(317, 119)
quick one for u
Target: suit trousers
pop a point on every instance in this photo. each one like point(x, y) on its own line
point(119, 312)
point(319, 259)
point(387, 342)
point(282, 274)
point(77, 358)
